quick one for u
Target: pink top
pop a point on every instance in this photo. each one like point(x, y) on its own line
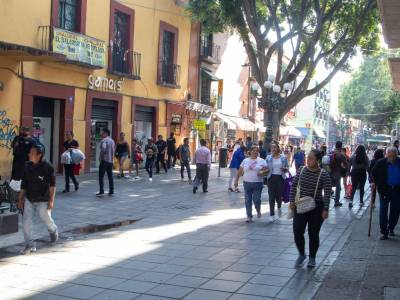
point(203, 156)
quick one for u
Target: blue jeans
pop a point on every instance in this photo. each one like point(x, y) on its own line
point(30, 210)
point(252, 193)
point(149, 166)
point(392, 197)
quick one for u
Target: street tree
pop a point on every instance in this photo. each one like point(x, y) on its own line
point(368, 96)
point(292, 37)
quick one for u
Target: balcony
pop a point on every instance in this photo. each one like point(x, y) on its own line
point(169, 75)
point(125, 63)
point(78, 49)
point(210, 52)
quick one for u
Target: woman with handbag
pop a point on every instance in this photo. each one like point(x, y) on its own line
point(310, 205)
point(136, 157)
point(122, 152)
point(359, 164)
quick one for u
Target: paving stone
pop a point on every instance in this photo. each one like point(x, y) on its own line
point(154, 277)
point(43, 296)
point(269, 270)
point(270, 280)
point(151, 297)
point(201, 272)
point(172, 269)
point(170, 291)
point(79, 291)
point(117, 272)
point(390, 293)
point(187, 281)
point(207, 295)
point(234, 276)
point(97, 281)
point(245, 268)
point(259, 290)
point(222, 285)
point(135, 286)
point(248, 297)
point(111, 295)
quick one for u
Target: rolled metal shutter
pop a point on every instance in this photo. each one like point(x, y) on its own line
point(144, 113)
point(103, 110)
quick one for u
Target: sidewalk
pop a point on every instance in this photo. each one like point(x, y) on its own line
point(181, 246)
point(366, 268)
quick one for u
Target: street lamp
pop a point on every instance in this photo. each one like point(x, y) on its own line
point(274, 100)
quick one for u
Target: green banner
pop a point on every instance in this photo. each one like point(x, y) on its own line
point(79, 47)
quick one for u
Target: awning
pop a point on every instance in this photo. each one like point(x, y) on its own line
point(289, 131)
point(25, 53)
point(319, 132)
point(226, 119)
point(209, 75)
point(304, 131)
point(244, 124)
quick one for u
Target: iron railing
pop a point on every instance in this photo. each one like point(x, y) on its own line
point(126, 62)
point(45, 37)
point(210, 51)
point(170, 73)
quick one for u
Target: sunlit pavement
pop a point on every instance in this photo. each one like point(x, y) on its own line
point(183, 246)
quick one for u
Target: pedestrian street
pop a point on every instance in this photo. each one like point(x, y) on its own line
point(178, 246)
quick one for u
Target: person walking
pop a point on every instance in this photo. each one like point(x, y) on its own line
point(298, 159)
point(21, 146)
point(346, 174)
point(378, 154)
point(136, 157)
point(396, 144)
point(107, 151)
point(338, 166)
point(38, 189)
point(151, 154)
point(253, 170)
point(234, 166)
point(122, 152)
point(161, 147)
point(278, 166)
point(359, 166)
point(171, 151)
point(70, 144)
point(310, 181)
point(248, 144)
point(262, 150)
point(184, 156)
point(386, 178)
point(202, 158)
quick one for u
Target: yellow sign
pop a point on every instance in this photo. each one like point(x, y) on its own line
point(199, 124)
point(79, 47)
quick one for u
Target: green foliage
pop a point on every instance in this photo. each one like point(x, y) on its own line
point(316, 31)
point(370, 92)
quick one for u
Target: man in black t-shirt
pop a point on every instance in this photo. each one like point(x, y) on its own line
point(38, 189)
point(171, 150)
point(161, 147)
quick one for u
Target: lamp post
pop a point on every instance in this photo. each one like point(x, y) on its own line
point(275, 98)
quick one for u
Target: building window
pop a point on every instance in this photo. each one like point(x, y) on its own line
point(120, 43)
point(167, 68)
point(68, 15)
point(205, 90)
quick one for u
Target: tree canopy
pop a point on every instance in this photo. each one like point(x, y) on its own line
point(369, 94)
point(294, 36)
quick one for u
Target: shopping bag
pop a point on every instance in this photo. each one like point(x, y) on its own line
point(287, 185)
point(76, 169)
point(66, 158)
point(349, 188)
point(77, 156)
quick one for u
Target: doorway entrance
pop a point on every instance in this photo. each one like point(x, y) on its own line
point(46, 126)
point(103, 116)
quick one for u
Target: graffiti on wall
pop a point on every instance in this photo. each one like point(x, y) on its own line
point(8, 130)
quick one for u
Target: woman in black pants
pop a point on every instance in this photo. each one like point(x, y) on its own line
point(359, 164)
point(311, 180)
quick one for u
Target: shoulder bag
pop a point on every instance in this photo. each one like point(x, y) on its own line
point(306, 203)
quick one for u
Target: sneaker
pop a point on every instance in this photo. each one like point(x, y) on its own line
point(391, 233)
point(237, 191)
point(77, 187)
point(249, 220)
point(66, 191)
point(350, 204)
point(53, 237)
point(150, 179)
point(194, 189)
point(205, 191)
point(230, 190)
point(384, 237)
point(137, 177)
point(190, 181)
point(100, 194)
point(259, 214)
point(300, 260)
point(127, 176)
point(361, 203)
point(111, 194)
point(311, 262)
point(338, 204)
point(28, 250)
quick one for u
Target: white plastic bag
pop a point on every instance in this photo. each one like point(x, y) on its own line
point(15, 185)
point(66, 158)
point(77, 156)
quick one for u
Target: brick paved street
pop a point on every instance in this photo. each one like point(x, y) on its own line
point(183, 246)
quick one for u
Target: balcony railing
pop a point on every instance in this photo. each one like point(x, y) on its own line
point(169, 74)
point(210, 52)
point(46, 37)
point(126, 63)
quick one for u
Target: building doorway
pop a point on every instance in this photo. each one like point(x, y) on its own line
point(144, 124)
point(46, 126)
point(103, 116)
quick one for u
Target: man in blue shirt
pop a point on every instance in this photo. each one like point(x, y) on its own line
point(298, 159)
point(386, 177)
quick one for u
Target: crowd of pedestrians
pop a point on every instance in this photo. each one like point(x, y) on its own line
point(309, 196)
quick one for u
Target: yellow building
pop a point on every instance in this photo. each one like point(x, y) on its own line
point(83, 65)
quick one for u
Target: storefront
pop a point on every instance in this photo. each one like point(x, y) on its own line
point(145, 116)
point(48, 110)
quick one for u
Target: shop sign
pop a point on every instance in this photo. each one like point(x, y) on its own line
point(104, 83)
point(176, 119)
point(199, 124)
point(79, 47)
